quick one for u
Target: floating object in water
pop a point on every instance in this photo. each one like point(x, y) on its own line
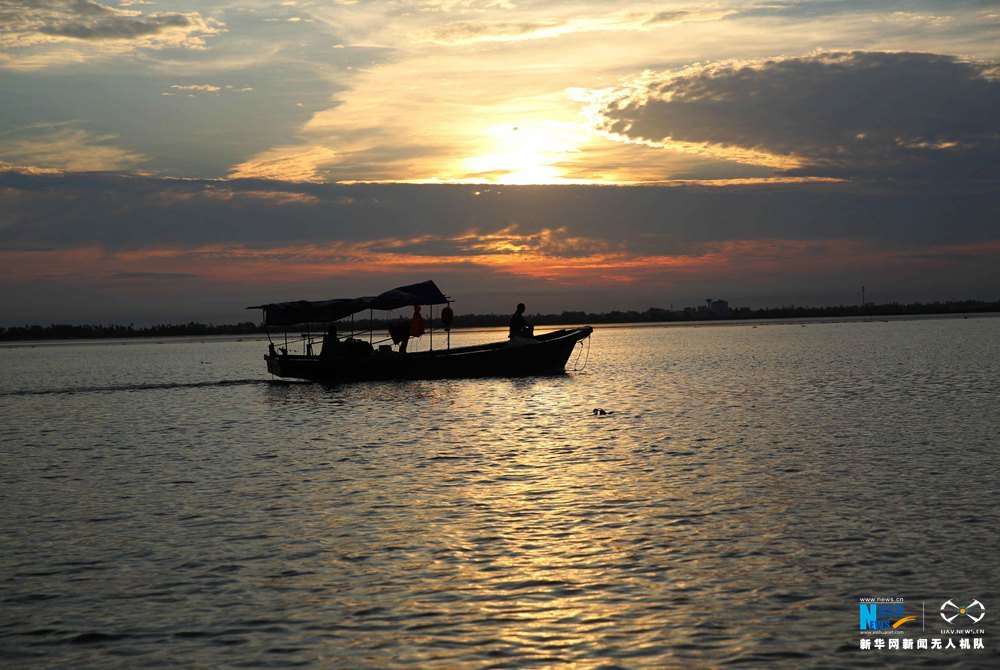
point(601, 412)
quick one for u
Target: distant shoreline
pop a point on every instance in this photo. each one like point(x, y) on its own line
point(651, 316)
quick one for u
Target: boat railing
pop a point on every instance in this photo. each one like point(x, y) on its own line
point(310, 342)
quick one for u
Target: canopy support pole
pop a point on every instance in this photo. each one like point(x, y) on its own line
point(432, 329)
point(263, 316)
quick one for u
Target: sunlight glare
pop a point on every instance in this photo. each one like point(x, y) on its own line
point(526, 154)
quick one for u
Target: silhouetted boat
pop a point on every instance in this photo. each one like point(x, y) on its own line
point(357, 360)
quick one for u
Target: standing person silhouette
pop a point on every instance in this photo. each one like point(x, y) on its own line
point(518, 326)
point(416, 323)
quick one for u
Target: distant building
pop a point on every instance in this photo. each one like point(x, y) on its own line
point(720, 308)
point(711, 309)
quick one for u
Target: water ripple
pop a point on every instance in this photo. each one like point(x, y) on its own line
point(749, 485)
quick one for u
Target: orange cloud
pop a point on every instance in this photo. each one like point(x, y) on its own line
point(550, 256)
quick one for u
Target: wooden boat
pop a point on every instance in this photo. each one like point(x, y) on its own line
point(357, 360)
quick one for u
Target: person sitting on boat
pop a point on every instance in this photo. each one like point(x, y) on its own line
point(518, 326)
point(330, 343)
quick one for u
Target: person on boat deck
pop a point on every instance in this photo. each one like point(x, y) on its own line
point(330, 343)
point(518, 326)
point(416, 323)
point(400, 334)
point(415, 329)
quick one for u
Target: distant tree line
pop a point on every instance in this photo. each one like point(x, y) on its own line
point(61, 331)
point(658, 315)
point(651, 315)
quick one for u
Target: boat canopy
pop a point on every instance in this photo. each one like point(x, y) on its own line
point(305, 311)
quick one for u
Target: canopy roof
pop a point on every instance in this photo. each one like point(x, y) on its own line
point(305, 311)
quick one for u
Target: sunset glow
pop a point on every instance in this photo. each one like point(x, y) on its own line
point(649, 154)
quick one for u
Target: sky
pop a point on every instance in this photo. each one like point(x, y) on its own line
point(168, 161)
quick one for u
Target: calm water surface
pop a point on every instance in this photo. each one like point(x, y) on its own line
point(168, 504)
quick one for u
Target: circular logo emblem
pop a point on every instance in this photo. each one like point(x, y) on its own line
point(974, 610)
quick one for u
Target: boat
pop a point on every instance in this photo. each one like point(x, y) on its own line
point(354, 359)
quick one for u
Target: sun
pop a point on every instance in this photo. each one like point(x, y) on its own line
point(525, 154)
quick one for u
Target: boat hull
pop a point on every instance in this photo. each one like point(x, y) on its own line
point(547, 354)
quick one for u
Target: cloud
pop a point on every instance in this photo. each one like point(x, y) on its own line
point(846, 114)
point(63, 147)
point(153, 275)
point(547, 255)
point(38, 33)
point(293, 164)
point(99, 234)
point(471, 31)
point(303, 268)
point(203, 88)
point(556, 242)
point(192, 89)
point(904, 11)
point(249, 195)
point(44, 210)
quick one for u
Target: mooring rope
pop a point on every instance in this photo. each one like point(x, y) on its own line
point(580, 353)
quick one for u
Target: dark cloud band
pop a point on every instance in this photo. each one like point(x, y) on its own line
point(857, 114)
point(36, 23)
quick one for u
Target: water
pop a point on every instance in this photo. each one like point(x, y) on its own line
point(168, 504)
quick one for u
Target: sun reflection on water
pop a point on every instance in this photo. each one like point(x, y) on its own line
point(715, 519)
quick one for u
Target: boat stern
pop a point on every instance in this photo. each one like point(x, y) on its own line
point(294, 367)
